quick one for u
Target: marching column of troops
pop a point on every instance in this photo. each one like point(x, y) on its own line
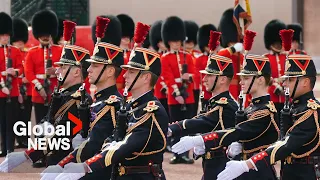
point(241, 113)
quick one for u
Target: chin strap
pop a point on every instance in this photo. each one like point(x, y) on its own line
point(101, 72)
point(252, 81)
point(295, 87)
point(214, 84)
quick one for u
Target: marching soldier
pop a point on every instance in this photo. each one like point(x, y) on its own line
point(203, 37)
point(127, 29)
point(19, 39)
point(277, 59)
point(229, 39)
point(10, 68)
point(190, 44)
point(219, 115)
point(140, 154)
point(72, 70)
point(177, 71)
point(39, 69)
point(297, 44)
point(107, 101)
point(256, 129)
point(160, 89)
point(300, 147)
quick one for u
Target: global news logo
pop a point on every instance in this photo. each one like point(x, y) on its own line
point(48, 136)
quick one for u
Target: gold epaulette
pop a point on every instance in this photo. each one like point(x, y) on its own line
point(222, 100)
point(312, 104)
point(271, 106)
point(76, 94)
point(151, 106)
point(112, 99)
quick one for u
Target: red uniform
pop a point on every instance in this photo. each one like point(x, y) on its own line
point(16, 57)
point(28, 85)
point(35, 68)
point(171, 73)
point(200, 64)
point(159, 85)
point(237, 61)
point(277, 63)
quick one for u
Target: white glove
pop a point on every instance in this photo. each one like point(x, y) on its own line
point(233, 170)
point(12, 160)
point(107, 146)
point(234, 149)
point(186, 143)
point(238, 47)
point(51, 172)
point(72, 171)
point(199, 150)
point(77, 141)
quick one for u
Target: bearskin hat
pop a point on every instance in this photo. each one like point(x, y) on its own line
point(44, 22)
point(155, 34)
point(173, 29)
point(20, 30)
point(228, 28)
point(271, 32)
point(113, 32)
point(297, 31)
point(6, 24)
point(203, 35)
point(127, 25)
point(57, 38)
point(146, 43)
point(191, 31)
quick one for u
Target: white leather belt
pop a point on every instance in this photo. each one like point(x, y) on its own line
point(4, 73)
point(43, 76)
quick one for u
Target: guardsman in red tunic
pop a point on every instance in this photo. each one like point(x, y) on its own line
point(297, 44)
point(10, 68)
point(39, 62)
point(190, 44)
point(229, 38)
point(178, 71)
point(277, 60)
point(202, 59)
point(19, 39)
point(127, 29)
point(161, 88)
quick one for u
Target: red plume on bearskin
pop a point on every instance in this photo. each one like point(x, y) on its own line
point(214, 40)
point(68, 28)
point(141, 32)
point(248, 39)
point(286, 37)
point(101, 26)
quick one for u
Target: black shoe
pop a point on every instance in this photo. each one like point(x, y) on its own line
point(2, 154)
point(39, 164)
point(175, 160)
point(186, 160)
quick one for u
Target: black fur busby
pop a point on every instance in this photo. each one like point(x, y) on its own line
point(44, 22)
point(127, 25)
point(271, 32)
point(203, 35)
point(20, 30)
point(6, 24)
point(191, 31)
point(57, 38)
point(228, 28)
point(173, 30)
point(297, 31)
point(113, 32)
point(146, 42)
point(155, 34)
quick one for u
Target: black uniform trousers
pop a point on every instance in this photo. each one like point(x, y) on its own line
point(177, 115)
point(8, 116)
point(212, 167)
point(40, 111)
point(25, 116)
point(298, 172)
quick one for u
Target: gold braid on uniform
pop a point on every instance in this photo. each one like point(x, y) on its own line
point(112, 150)
point(78, 156)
